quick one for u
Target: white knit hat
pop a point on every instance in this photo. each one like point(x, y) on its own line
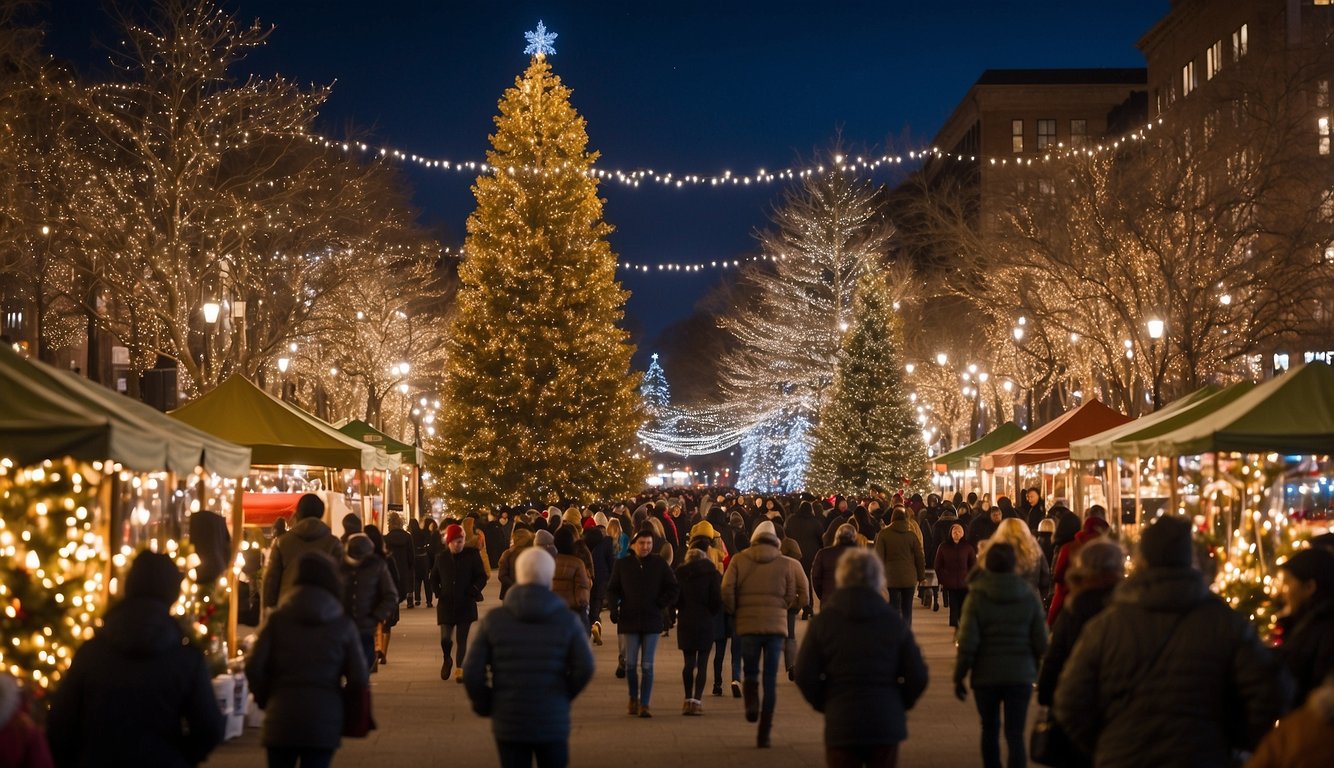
point(762, 530)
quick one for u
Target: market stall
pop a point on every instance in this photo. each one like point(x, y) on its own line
point(404, 489)
point(963, 464)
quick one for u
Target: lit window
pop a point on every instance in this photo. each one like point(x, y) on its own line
point(1322, 130)
point(1079, 131)
point(1046, 134)
point(1188, 82)
point(1017, 135)
point(1322, 94)
point(1240, 42)
point(1280, 362)
point(1213, 60)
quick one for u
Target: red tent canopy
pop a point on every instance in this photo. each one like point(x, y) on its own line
point(265, 508)
point(1052, 441)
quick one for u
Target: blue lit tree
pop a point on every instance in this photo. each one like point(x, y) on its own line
point(654, 389)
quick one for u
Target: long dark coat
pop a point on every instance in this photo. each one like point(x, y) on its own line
point(698, 604)
point(457, 582)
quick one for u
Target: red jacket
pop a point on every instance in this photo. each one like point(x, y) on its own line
point(22, 744)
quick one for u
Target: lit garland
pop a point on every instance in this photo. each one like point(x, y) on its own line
point(51, 567)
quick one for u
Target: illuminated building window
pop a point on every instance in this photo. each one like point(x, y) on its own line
point(1240, 42)
point(1213, 60)
point(1046, 133)
point(1188, 81)
point(1322, 130)
point(1079, 131)
point(1017, 135)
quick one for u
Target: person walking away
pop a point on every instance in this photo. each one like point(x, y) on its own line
point(306, 654)
point(308, 534)
point(601, 550)
point(530, 659)
point(520, 539)
point(642, 586)
point(824, 569)
point(571, 582)
point(1307, 623)
point(1304, 738)
point(808, 532)
point(1093, 528)
point(955, 560)
point(698, 606)
point(138, 692)
point(1029, 562)
point(457, 580)
point(900, 551)
point(860, 666)
point(1168, 674)
point(790, 548)
point(1098, 568)
point(473, 539)
point(1002, 636)
point(22, 743)
point(368, 592)
point(1045, 534)
point(401, 552)
point(429, 549)
point(759, 588)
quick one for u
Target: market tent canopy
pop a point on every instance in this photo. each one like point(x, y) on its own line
point(277, 432)
point(1125, 441)
point(1051, 442)
point(970, 456)
point(360, 430)
point(1291, 414)
point(46, 413)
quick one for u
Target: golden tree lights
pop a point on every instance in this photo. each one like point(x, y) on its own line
point(51, 567)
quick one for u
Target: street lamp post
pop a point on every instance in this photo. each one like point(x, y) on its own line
point(1156, 328)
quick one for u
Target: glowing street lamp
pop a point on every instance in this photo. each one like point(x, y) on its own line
point(283, 364)
point(211, 310)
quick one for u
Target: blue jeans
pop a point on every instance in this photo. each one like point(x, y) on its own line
point(639, 651)
point(518, 754)
point(901, 600)
point(990, 700)
point(751, 648)
point(289, 757)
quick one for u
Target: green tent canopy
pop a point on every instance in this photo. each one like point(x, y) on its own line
point(1291, 414)
point(1124, 441)
point(360, 430)
point(275, 431)
point(46, 413)
point(970, 456)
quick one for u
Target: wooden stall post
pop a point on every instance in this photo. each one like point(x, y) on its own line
point(238, 528)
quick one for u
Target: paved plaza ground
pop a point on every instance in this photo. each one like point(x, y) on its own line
point(424, 721)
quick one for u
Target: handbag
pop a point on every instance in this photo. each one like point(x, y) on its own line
point(357, 719)
point(1049, 744)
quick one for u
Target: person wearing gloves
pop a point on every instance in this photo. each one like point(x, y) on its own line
point(457, 580)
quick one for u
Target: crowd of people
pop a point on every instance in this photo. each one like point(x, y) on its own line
point(1138, 669)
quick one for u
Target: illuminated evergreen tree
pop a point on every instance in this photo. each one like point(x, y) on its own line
point(654, 390)
point(539, 399)
point(867, 435)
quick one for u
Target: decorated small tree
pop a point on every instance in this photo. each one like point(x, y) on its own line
point(867, 435)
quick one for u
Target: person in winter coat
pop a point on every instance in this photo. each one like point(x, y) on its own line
point(22, 743)
point(824, 569)
point(900, 551)
point(1168, 674)
point(641, 586)
point(698, 606)
point(1002, 636)
point(137, 693)
point(1304, 738)
point(955, 559)
point(521, 539)
point(384, 629)
point(421, 566)
point(473, 539)
point(305, 655)
point(1307, 624)
point(600, 550)
point(530, 659)
point(1029, 562)
point(400, 546)
point(1093, 528)
point(457, 580)
point(620, 540)
point(983, 526)
point(307, 534)
point(808, 531)
point(1098, 568)
point(572, 581)
point(759, 588)
point(860, 666)
point(1046, 530)
point(369, 596)
point(1068, 526)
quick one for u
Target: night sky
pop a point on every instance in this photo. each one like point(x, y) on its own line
point(690, 87)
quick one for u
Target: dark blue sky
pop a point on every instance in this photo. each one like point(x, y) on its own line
point(690, 87)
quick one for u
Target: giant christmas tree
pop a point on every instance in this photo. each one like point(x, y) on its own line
point(540, 401)
point(867, 436)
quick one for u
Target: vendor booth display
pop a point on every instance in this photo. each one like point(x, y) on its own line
point(962, 464)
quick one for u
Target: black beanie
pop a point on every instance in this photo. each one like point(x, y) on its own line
point(359, 547)
point(155, 576)
point(309, 505)
point(1166, 543)
point(1000, 558)
point(317, 570)
point(1312, 565)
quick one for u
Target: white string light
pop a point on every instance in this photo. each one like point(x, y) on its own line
point(699, 431)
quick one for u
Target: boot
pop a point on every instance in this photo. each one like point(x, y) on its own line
point(935, 596)
point(633, 708)
point(736, 689)
point(766, 725)
point(717, 687)
point(750, 690)
point(686, 708)
point(447, 647)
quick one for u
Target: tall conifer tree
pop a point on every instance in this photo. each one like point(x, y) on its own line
point(867, 435)
point(540, 401)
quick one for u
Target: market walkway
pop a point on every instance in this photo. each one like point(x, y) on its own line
point(425, 721)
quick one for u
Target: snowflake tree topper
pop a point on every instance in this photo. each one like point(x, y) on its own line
point(540, 41)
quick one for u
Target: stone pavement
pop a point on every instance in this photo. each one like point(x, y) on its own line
point(424, 721)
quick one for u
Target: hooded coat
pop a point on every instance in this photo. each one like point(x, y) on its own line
point(457, 582)
point(824, 568)
point(401, 553)
point(698, 605)
point(369, 595)
point(808, 531)
point(861, 667)
point(640, 588)
point(303, 653)
point(538, 658)
point(309, 534)
point(1002, 631)
point(522, 538)
point(135, 694)
point(1213, 686)
point(761, 585)
point(900, 549)
point(1065, 558)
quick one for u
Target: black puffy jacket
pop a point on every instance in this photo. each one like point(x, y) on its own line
point(457, 582)
point(135, 694)
point(1308, 646)
point(861, 667)
point(369, 594)
point(640, 588)
point(536, 652)
point(402, 554)
point(698, 605)
point(1214, 686)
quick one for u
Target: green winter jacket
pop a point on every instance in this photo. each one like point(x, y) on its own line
point(1002, 633)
